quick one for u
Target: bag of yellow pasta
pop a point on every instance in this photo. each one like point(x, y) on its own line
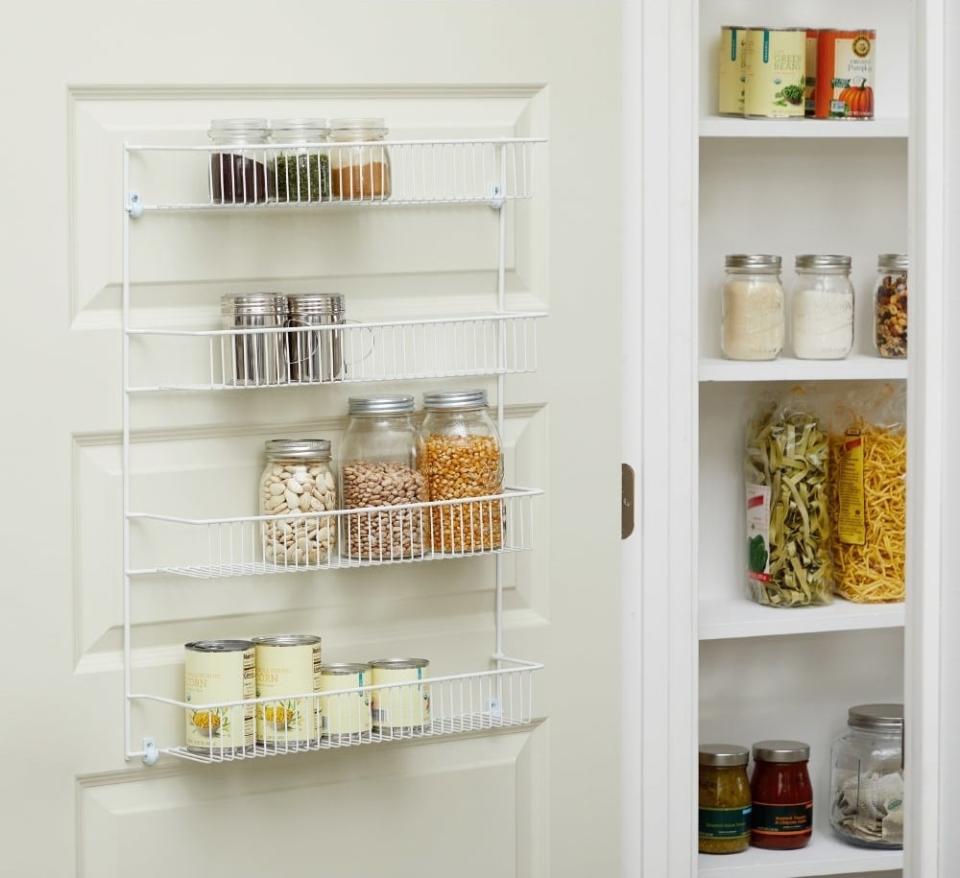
point(868, 449)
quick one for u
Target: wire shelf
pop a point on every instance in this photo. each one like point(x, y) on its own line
point(347, 353)
point(329, 175)
point(344, 538)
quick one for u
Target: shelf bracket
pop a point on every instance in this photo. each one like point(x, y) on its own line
point(150, 752)
point(496, 198)
point(134, 205)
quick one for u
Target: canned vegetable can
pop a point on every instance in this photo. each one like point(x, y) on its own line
point(218, 671)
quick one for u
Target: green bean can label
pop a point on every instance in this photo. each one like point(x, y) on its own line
point(758, 533)
point(725, 823)
point(782, 819)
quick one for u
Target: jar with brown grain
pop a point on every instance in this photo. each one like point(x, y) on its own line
point(359, 161)
point(463, 457)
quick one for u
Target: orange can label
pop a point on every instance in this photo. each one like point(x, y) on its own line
point(845, 83)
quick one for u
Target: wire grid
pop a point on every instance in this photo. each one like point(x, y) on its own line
point(319, 175)
point(290, 356)
point(312, 721)
point(345, 538)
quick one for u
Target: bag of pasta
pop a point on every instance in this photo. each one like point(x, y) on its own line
point(868, 449)
point(787, 505)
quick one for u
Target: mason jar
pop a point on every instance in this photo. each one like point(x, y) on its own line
point(359, 173)
point(302, 173)
point(380, 467)
point(890, 306)
point(297, 482)
point(238, 173)
point(255, 359)
point(462, 457)
point(316, 355)
point(821, 316)
point(866, 779)
point(753, 321)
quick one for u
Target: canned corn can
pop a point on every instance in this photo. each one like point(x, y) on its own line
point(287, 665)
point(775, 72)
point(344, 714)
point(730, 79)
point(406, 705)
point(218, 671)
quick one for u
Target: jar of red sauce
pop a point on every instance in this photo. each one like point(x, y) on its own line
point(782, 816)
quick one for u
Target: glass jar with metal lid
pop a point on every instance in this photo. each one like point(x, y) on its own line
point(255, 359)
point(462, 457)
point(753, 322)
point(380, 467)
point(316, 356)
point(724, 803)
point(821, 323)
point(359, 171)
point(866, 782)
point(238, 172)
point(298, 484)
point(302, 172)
point(782, 811)
point(890, 305)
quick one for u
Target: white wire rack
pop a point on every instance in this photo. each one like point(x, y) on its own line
point(326, 175)
point(241, 359)
point(447, 705)
point(371, 536)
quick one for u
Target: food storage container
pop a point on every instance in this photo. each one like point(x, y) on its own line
point(359, 172)
point(298, 484)
point(774, 69)
point(725, 803)
point(345, 714)
point(255, 358)
point(866, 804)
point(822, 308)
point(890, 305)
point(462, 457)
point(238, 173)
point(302, 173)
point(316, 355)
point(782, 811)
point(404, 706)
point(219, 671)
point(379, 467)
point(287, 664)
point(753, 319)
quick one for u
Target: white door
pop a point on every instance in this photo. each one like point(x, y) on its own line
point(82, 78)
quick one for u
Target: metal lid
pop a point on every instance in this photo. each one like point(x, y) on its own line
point(285, 640)
point(724, 755)
point(810, 260)
point(781, 751)
point(876, 717)
point(316, 303)
point(219, 645)
point(251, 304)
point(381, 405)
point(893, 261)
point(239, 131)
point(445, 401)
point(300, 130)
point(399, 664)
point(755, 262)
point(299, 449)
point(337, 669)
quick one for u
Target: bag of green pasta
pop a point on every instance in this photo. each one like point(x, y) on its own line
point(787, 505)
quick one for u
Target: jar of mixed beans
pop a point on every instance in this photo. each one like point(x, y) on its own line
point(890, 305)
point(725, 803)
point(782, 815)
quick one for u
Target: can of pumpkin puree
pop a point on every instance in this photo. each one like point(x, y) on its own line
point(405, 708)
point(730, 78)
point(775, 72)
point(344, 714)
point(287, 664)
point(217, 671)
point(845, 74)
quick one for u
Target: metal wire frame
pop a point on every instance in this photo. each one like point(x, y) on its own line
point(352, 353)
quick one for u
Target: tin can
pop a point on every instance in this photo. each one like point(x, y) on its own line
point(217, 671)
point(845, 74)
point(287, 664)
point(346, 715)
point(405, 708)
point(730, 78)
point(810, 92)
point(775, 72)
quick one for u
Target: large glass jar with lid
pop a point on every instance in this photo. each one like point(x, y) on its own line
point(380, 467)
point(822, 308)
point(251, 358)
point(866, 806)
point(890, 305)
point(753, 317)
point(462, 457)
point(302, 172)
point(297, 483)
point(238, 171)
point(359, 172)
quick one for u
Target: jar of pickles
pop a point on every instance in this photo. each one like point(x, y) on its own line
point(238, 173)
point(462, 457)
point(724, 801)
point(298, 484)
point(890, 306)
point(360, 169)
point(302, 172)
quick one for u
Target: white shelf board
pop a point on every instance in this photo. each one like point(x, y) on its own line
point(741, 617)
point(825, 855)
point(732, 126)
point(856, 367)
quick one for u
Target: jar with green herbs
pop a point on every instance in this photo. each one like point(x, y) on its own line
point(725, 802)
point(301, 166)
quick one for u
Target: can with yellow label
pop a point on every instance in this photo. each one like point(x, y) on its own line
point(287, 665)
point(730, 80)
point(344, 714)
point(405, 706)
point(218, 671)
point(775, 64)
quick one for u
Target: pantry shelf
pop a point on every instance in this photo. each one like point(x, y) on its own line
point(336, 353)
point(732, 126)
point(858, 367)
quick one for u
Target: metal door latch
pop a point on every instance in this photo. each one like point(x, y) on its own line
point(626, 500)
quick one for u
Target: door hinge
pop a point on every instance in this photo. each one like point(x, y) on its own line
point(626, 500)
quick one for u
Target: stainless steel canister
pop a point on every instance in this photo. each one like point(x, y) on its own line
point(316, 356)
point(255, 358)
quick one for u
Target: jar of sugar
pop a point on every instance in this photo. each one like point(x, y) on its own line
point(821, 313)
